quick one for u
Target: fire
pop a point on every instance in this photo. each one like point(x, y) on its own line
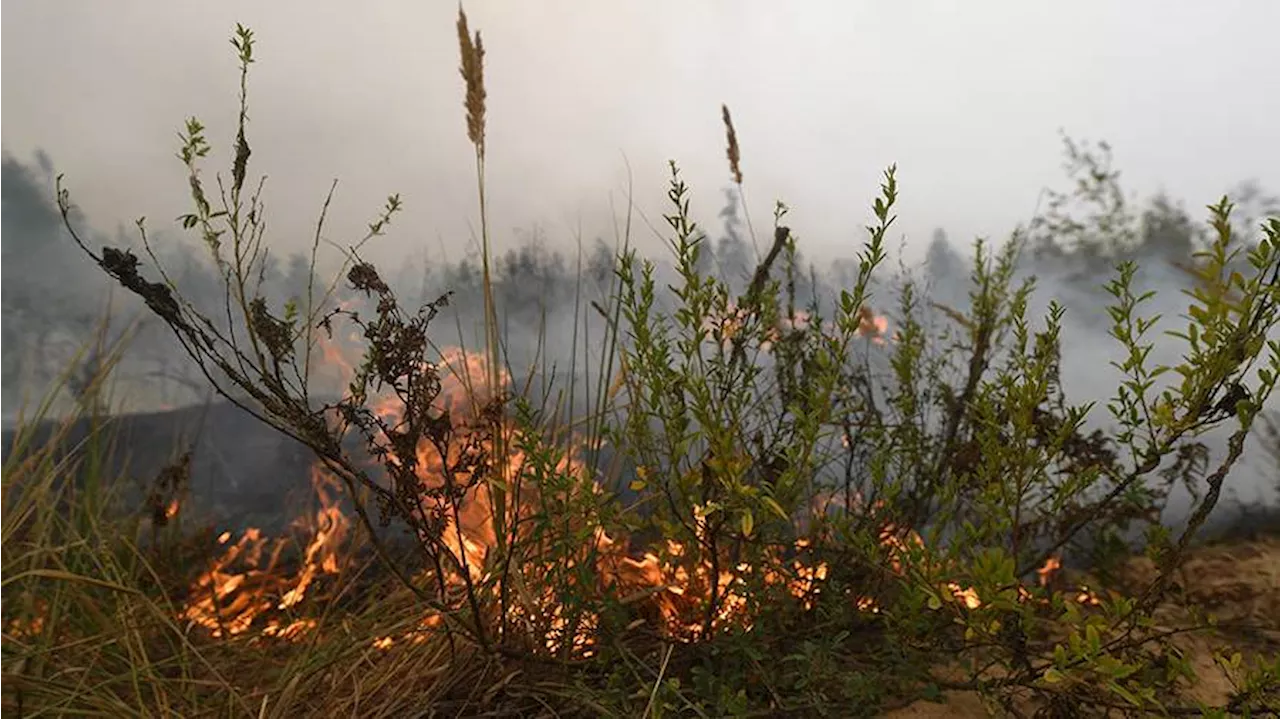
point(463, 391)
point(1050, 568)
point(678, 588)
point(1046, 572)
point(872, 325)
point(469, 534)
point(19, 628)
point(671, 586)
point(682, 596)
point(1084, 595)
point(904, 547)
point(968, 596)
point(246, 581)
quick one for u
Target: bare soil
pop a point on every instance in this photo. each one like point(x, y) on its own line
point(1237, 581)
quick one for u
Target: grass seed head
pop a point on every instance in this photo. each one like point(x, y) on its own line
point(735, 157)
point(473, 73)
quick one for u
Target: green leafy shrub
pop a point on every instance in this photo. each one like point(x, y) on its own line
point(824, 515)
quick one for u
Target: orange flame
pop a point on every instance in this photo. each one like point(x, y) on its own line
point(872, 325)
point(241, 585)
point(671, 584)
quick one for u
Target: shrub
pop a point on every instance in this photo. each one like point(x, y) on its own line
point(819, 510)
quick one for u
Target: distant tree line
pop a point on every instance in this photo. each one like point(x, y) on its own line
point(55, 303)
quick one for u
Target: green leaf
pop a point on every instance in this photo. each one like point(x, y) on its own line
point(773, 505)
point(1124, 694)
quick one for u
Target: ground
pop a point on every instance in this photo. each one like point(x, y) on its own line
point(1237, 581)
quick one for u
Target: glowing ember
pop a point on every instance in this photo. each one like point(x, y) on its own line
point(1086, 596)
point(23, 628)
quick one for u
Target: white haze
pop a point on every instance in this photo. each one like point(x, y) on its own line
point(967, 98)
point(587, 98)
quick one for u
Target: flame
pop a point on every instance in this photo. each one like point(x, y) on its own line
point(968, 596)
point(333, 352)
point(1084, 595)
point(334, 358)
point(678, 587)
point(20, 628)
point(1046, 572)
point(872, 325)
point(1050, 568)
point(670, 586)
point(245, 583)
point(469, 533)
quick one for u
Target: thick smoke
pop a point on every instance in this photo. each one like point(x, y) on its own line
point(549, 294)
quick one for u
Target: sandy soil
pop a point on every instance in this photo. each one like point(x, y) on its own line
point(1236, 581)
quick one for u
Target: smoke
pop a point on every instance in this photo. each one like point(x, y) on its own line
point(1162, 240)
point(549, 294)
point(51, 302)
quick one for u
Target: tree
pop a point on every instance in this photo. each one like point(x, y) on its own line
point(941, 259)
point(732, 256)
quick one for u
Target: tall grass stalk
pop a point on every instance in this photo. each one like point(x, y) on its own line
point(472, 70)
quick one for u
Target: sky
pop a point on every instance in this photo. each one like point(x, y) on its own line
point(589, 100)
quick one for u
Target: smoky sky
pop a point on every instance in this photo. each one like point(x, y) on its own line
point(589, 99)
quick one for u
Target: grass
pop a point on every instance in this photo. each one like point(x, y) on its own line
point(822, 519)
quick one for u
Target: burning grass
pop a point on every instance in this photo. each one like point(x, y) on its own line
point(323, 633)
point(276, 621)
point(821, 515)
